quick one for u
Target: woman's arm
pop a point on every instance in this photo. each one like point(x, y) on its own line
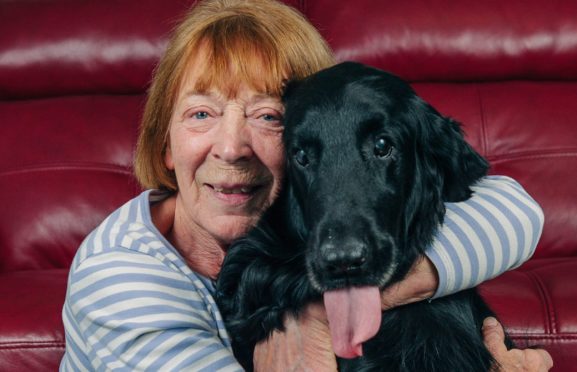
point(495, 230)
point(130, 312)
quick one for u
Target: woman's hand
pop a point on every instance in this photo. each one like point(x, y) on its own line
point(420, 284)
point(514, 360)
point(304, 346)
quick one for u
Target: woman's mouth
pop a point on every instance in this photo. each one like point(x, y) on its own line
point(237, 190)
point(234, 195)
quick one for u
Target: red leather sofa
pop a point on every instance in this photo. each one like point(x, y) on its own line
point(73, 77)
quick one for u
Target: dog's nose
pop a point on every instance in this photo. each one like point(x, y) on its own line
point(346, 258)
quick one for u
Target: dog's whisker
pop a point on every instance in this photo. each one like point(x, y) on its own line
point(387, 275)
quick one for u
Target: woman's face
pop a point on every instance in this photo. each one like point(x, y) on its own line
point(228, 158)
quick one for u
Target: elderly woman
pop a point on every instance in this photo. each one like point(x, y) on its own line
point(140, 290)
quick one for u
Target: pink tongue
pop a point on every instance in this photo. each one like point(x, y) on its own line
point(354, 317)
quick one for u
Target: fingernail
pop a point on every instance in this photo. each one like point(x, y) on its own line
point(490, 322)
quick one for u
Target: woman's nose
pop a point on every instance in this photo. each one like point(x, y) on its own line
point(233, 140)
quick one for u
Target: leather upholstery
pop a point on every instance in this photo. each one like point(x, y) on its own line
point(73, 75)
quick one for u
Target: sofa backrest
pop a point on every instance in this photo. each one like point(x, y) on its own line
point(73, 78)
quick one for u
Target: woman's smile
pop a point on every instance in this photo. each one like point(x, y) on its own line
point(234, 194)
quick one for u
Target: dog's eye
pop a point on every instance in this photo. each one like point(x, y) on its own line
point(301, 157)
point(383, 148)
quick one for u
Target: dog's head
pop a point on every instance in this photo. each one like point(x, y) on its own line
point(370, 165)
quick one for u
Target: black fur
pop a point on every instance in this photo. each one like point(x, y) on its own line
point(369, 166)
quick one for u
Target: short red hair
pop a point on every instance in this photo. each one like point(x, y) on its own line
point(258, 42)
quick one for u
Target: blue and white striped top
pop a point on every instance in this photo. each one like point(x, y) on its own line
point(133, 304)
point(495, 230)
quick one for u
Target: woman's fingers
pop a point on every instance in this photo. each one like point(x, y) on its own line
point(514, 360)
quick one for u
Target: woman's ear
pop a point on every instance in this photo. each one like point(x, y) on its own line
point(168, 161)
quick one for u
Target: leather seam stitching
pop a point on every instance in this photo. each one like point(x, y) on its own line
point(549, 309)
point(484, 145)
point(31, 345)
point(543, 337)
point(524, 156)
point(68, 167)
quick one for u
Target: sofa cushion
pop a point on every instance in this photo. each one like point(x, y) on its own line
point(537, 303)
point(65, 164)
point(31, 332)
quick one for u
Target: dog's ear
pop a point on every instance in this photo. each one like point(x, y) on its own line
point(444, 168)
point(288, 88)
point(458, 163)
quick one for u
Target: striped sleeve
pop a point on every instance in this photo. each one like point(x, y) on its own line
point(495, 230)
point(129, 312)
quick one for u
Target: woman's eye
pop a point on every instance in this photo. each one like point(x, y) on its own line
point(200, 115)
point(269, 117)
point(383, 148)
point(301, 157)
point(267, 120)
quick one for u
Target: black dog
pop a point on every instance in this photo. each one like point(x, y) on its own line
point(369, 166)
